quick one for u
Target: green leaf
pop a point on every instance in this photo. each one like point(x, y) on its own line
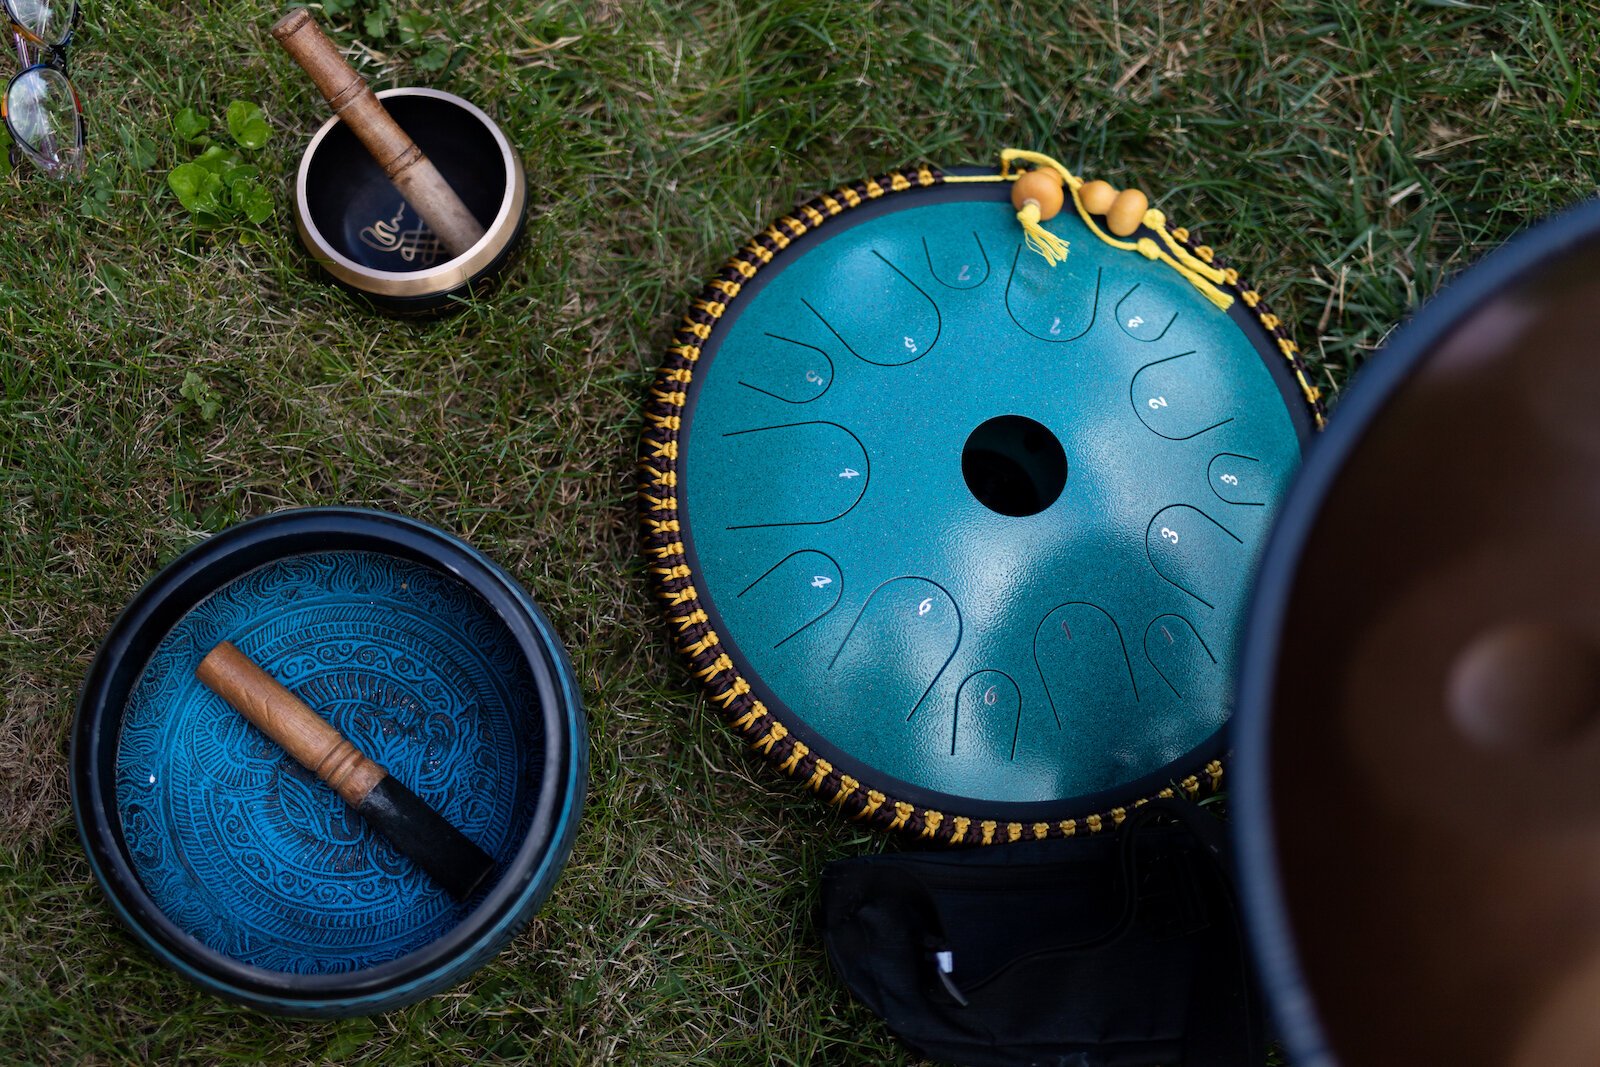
point(376, 22)
point(248, 124)
point(252, 199)
point(242, 173)
point(196, 188)
point(195, 390)
point(217, 160)
point(434, 59)
point(189, 125)
point(413, 25)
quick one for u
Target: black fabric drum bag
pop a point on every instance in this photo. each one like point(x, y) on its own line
point(1117, 950)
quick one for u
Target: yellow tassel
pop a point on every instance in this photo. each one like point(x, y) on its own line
point(1052, 248)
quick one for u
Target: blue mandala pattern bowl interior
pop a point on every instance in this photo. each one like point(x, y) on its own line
point(241, 868)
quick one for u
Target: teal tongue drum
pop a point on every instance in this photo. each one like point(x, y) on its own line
point(956, 521)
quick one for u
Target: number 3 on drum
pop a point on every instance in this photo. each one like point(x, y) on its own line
point(1169, 535)
point(1229, 479)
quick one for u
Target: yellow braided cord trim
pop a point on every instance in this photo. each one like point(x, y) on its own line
point(875, 801)
point(773, 736)
point(847, 786)
point(1094, 823)
point(1013, 831)
point(722, 663)
point(930, 822)
point(668, 551)
point(738, 689)
point(902, 812)
point(749, 718)
point(988, 831)
point(1041, 830)
point(961, 824)
point(796, 754)
point(819, 771)
point(1069, 827)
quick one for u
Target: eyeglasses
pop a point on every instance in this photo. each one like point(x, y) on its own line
point(41, 108)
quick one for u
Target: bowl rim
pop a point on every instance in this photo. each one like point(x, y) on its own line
point(1255, 829)
point(529, 875)
point(442, 277)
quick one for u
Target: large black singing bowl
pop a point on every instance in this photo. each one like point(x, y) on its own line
point(1418, 784)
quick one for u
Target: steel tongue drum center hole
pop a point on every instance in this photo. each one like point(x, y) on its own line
point(1014, 465)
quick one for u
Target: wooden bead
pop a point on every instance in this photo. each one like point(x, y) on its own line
point(1097, 197)
point(1127, 212)
point(1043, 187)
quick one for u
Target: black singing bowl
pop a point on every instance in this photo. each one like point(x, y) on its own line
point(369, 240)
point(1418, 727)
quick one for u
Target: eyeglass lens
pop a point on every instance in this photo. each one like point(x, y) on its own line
point(43, 115)
point(49, 22)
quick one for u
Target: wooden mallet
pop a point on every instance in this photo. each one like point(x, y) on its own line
point(414, 177)
point(394, 811)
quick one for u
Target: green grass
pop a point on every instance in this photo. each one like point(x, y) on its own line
point(1349, 156)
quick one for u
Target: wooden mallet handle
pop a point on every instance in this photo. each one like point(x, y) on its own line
point(445, 853)
point(417, 179)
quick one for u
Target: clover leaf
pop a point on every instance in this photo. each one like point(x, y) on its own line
point(248, 124)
